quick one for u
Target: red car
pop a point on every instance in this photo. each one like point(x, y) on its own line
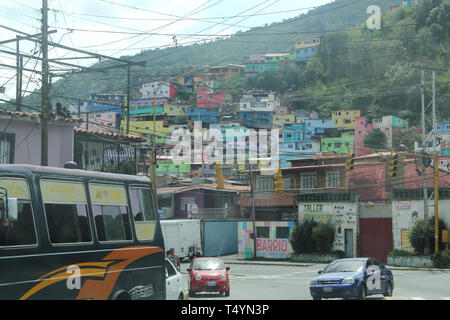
point(208, 275)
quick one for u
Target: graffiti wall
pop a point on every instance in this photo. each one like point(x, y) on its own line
point(342, 215)
point(405, 213)
point(272, 239)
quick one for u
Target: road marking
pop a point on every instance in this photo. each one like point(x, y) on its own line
point(417, 298)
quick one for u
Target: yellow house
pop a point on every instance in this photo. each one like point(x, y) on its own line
point(174, 110)
point(146, 127)
point(345, 119)
point(280, 120)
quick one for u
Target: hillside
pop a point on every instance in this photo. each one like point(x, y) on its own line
point(275, 38)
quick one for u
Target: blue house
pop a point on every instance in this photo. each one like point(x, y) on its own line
point(296, 143)
point(105, 102)
point(257, 120)
point(208, 115)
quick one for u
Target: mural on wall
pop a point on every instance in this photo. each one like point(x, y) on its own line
point(405, 214)
point(340, 215)
point(272, 245)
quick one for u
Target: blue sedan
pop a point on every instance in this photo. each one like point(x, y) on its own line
point(352, 278)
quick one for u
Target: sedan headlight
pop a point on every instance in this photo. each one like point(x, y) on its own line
point(223, 277)
point(348, 280)
point(314, 282)
point(198, 277)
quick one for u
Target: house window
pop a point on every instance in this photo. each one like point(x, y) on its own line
point(282, 233)
point(7, 147)
point(309, 180)
point(263, 232)
point(264, 183)
point(332, 179)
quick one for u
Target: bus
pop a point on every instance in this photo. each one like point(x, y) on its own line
point(75, 234)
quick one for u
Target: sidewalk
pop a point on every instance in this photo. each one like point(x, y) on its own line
point(233, 259)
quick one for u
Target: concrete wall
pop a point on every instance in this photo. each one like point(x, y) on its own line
point(406, 212)
point(272, 247)
point(28, 142)
point(342, 215)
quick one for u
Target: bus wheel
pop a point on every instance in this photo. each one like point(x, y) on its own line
point(121, 295)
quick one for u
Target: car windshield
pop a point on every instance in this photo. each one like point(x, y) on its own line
point(208, 264)
point(345, 266)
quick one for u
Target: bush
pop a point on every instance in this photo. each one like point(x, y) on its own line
point(301, 237)
point(442, 259)
point(417, 235)
point(323, 236)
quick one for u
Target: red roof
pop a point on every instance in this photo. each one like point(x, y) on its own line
point(134, 137)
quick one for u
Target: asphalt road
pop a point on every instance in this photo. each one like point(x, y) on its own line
point(276, 282)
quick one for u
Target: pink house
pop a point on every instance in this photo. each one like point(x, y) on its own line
point(207, 99)
point(362, 127)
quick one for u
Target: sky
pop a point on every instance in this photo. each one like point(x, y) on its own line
point(121, 28)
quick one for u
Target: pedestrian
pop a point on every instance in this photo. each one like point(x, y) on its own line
point(174, 259)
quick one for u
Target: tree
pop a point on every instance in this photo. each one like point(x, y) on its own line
point(375, 139)
point(417, 235)
point(301, 237)
point(323, 236)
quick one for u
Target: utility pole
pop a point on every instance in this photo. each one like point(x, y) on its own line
point(18, 76)
point(252, 195)
point(45, 88)
point(436, 202)
point(128, 99)
point(425, 191)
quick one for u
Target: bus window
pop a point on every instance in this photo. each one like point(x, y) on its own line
point(20, 232)
point(110, 210)
point(66, 211)
point(143, 213)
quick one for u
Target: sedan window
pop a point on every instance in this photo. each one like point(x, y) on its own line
point(170, 269)
point(345, 266)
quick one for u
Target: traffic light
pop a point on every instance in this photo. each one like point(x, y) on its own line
point(393, 165)
point(350, 160)
point(219, 176)
point(278, 181)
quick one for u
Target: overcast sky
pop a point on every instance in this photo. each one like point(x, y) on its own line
point(117, 28)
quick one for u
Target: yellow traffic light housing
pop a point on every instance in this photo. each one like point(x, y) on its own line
point(393, 165)
point(278, 181)
point(219, 176)
point(350, 160)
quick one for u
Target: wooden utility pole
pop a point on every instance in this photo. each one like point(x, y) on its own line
point(45, 86)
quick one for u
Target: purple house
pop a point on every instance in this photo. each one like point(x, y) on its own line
point(200, 201)
point(20, 139)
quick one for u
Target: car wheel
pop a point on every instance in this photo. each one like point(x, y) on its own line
point(226, 293)
point(317, 298)
point(362, 292)
point(388, 291)
point(191, 293)
point(181, 296)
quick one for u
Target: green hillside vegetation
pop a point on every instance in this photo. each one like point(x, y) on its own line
point(372, 70)
point(356, 67)
point(275, 38)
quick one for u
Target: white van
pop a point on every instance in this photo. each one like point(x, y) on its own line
point(184, 236)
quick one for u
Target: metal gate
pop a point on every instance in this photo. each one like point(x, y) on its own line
point(376, 238)
point(219, 237)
